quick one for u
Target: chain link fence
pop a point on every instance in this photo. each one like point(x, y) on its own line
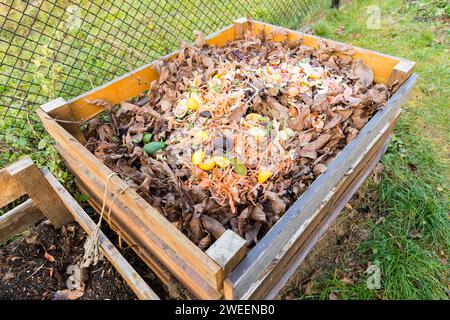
point(61, 48)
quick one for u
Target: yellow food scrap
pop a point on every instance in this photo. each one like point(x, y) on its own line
point(253, 117)
point(201, 136)
point(192, 104)
point(222, 162)
point(264, 175)
point(198, 157)
point(207, 165)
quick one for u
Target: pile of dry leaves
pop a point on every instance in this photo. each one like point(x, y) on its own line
point(230, 137)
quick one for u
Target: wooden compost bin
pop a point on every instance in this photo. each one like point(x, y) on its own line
point(262, 271)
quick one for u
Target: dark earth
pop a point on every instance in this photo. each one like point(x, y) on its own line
point(33, 266)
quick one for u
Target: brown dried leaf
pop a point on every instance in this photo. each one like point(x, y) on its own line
point(205, 242)
point(362, 73)
point(199, 39)
point(276, 202)
point(312, 154)
point(213, 226)
point(163, 75)
point(377, 173)
point(196, 228)
point(258, 214)
point(318, 143)
point(319, 168)
point(107, 105)
point(68, 294)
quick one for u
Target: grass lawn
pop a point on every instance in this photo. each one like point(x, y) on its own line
point(408, 229)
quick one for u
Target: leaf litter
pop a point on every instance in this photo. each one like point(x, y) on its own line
point(238, 133)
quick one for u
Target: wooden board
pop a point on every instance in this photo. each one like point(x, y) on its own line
point(10, 190)
point(18, 220)
point(228, 250)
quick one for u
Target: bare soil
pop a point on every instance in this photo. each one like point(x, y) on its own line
point(33, 266)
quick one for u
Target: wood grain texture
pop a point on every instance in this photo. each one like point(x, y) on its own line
point(228, 250)
point(381, 64)
point(66, 117)
point(131, 277)
point(30, 179)
point(18, 220)
point(269, 250)
point(400, 73)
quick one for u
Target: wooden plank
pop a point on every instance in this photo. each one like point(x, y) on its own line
point(30, 179)
point(66, 117)
point(18, 220)
point(302, 211)
point(228, 251)
point(146, 240)
point(312, 240)
point(287, 265)
point(132, 278)
point(144, 214)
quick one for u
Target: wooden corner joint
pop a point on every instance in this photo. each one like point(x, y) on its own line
point(228, 251)
point(52, 105)
point(401, 72)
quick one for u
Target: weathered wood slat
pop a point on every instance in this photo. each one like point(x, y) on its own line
point(255, 264)
point(18, 220)
point(132, 278)
point(318, 233)
point(29, 180)
point(145, 238)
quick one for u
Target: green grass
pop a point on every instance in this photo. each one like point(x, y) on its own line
point(411, 245)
